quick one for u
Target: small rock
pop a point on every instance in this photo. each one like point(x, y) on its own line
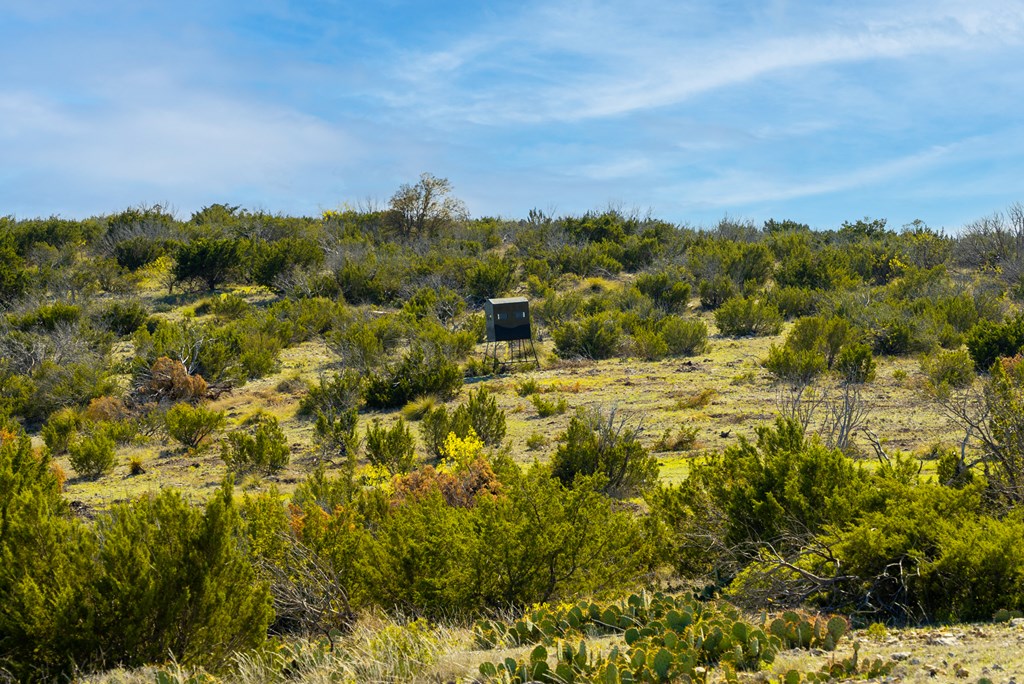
point(944, 640)
point(1017, 622)
point(915, 661)
point(998, 668)
point(960, 671)
point(899, 657)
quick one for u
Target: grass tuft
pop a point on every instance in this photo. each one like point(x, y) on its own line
point(683, 440)
point(549, 407)
point(419, 407)
point(697, 399)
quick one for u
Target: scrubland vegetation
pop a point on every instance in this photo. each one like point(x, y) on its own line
point(267, 448)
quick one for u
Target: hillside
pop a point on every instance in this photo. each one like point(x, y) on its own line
point(266, 446)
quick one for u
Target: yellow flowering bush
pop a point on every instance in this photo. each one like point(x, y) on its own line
point(460, 452)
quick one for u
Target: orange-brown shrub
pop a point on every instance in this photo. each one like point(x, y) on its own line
point(460, 489)
point(109, 409)
point(59, 473)
point(170, 379)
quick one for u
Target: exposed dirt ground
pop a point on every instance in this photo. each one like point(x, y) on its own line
point(724, 394)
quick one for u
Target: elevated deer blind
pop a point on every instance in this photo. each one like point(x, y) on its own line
point(508, 322)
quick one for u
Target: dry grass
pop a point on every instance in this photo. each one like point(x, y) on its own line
point(935, 655)
point(379, 649)
point(382, 650)
point(724, 394)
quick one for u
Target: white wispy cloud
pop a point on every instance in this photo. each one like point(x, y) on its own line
point(738, 188)
point(684, 105)
point(598, 61)
point(188, 144)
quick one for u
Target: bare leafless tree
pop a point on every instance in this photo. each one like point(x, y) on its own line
point(992, 418)
point(996, 240)
point(424, 208)
point(845, 412)
point(784, 579)
point(798, 401)
point(834, 411)
point(309, 597)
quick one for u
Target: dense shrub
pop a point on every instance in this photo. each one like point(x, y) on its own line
point(437, 424)
point(133, 253)
point(556, 308)
point(333, 394)
point(476, 538)
point(60, 430)
point(774, 490)
point(210, 260)
point(856, 363)
point(480, 413)
point(152, 579)
point(593, 337)
point(666, 289)
point(963, 311)
point(598, 444)
point(14, 278)
point(123, 318)
point(259, 355)
point(175, 580)
point(122, 432)
point(648, 344)
point(988, 341)
point(414, 375)
point(41, 575)
point(49, 317)
point(390, 448)
point(490, 277)
point(826, 269)
point(334, 432)
point(789, 364)
point(951, 562)
point(271, 261)
point(742, 317)
point(437, 340)
point(190, 425)
point(949, 368)
point(484, 416)
point(684, 337)
point(439, 559)
point(441, 304)
point(363, 344)
point(225, 307)
point(261, 445)
point(56, 386)
point(822, 335)
point(895, 337)
point(235, 351)
point(716, 291)
point(793, 302)
point(92, 455)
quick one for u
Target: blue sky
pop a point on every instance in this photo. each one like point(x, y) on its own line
point(814, 111)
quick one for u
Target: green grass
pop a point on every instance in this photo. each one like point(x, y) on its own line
point(702, 392)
